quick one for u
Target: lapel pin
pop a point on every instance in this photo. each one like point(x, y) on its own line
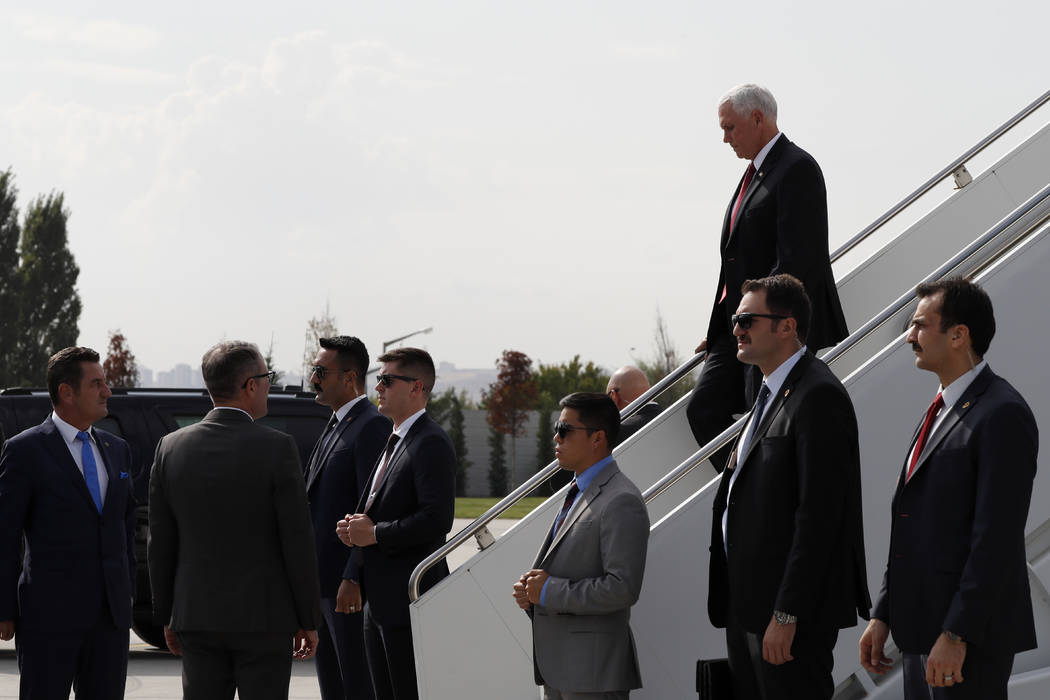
point(786, 392)
point(966, 405)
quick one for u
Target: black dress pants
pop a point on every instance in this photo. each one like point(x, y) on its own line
point(255, 665)
point(342, 670)
point(391, 659)
point(984, 677)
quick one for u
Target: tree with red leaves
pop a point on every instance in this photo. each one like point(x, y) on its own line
point(120, 366)
point(511, 397)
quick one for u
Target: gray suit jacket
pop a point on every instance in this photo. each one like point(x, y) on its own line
point(582, 638)
point(231, 545)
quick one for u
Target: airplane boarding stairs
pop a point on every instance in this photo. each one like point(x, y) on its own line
point(471, 639)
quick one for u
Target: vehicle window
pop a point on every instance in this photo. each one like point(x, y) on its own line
point(308, 428)
point(110, 425)
point(184, 420)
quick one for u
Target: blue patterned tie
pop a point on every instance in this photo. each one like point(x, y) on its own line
point(90, 468)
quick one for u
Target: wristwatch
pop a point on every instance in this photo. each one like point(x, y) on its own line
point(783, 618)
point(952, 636)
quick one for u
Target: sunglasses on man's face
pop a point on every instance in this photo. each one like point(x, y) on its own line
point(271, 377)
point(561, 429)
point(745, 319)
point(322, 372)
point(388, 379)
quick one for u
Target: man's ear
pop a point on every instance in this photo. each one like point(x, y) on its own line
point(960, 336)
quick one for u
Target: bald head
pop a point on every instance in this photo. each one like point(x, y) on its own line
point(627, 384)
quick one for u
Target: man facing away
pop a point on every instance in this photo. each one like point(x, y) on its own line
point(776, 222)
point(955, 594)
point(336, 474)
point(231, 550)
point(625, 385)
point(588, 572)
point(787, 546)
point(66, 488)
point(405, 511)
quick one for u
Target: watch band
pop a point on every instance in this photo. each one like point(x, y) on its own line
point(952, 636)
point(784, 618)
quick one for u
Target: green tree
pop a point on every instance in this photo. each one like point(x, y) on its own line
point(9, 295)
point(47, 300)
point(498, 481)
point(554, 382)
point(447, 409)
point(511, 397)
point(120, 366)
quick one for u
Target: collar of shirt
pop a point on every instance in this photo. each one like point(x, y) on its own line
point(402, 430)
point(776, 378)
point(234, 408)
point(67, 431)
point(954, 391)
point(761, 157)
point(340, 413)
point(584, 479)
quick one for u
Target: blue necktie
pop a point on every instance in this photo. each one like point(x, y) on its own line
point(90, 468)
point(756, 417)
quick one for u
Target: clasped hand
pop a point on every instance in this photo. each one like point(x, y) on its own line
point(356, 530)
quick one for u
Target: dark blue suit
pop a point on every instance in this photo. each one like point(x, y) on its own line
point(336, 474)
point(957, 542)
point(72, 603)
point(412, 512)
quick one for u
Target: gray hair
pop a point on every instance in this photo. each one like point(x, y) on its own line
point(226, 365)
point(748, 97)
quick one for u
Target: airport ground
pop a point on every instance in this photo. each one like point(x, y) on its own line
point(155, 674)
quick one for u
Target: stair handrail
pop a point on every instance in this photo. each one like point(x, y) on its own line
point(1031, 206)
point(936, 179)
point(537, 479)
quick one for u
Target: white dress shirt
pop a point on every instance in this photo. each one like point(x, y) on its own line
point(69, 435)
point(761, 157)
point(951, 395)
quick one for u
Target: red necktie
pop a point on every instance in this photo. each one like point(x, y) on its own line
point(749, 174)
point(924, 432)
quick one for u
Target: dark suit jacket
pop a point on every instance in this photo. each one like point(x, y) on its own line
point(957, 555)
point(412, 511)
point(782, 226)
point(633, 424)
point(335, 483)
point(231, 546)
point(796, 540)
point(75, 558)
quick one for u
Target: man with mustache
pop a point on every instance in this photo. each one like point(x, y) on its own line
point(955, 595)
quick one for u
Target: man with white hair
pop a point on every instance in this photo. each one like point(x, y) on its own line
point(625, 385)
point(776, 222)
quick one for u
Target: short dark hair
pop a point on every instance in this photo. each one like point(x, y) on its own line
point(414, 361)
point(226, 365)
point(963, 303)
point(351, 352)
point(785, 295)
point(64, 367)
point(597, 411)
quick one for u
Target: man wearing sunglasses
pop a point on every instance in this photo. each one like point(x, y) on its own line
point(776, 222)
point(336, 473)
point(231, 548)
point(588, 572)
point(404, 513)
point(787, 546)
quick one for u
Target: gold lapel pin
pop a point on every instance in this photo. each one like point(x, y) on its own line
point(786, 392)
point(966, 405)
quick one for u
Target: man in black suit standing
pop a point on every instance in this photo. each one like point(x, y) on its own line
point(231, 549)
point(625, 385)
point(404, 514)
point(776, 222)
point(955, 594)
point(66, 488)
point(335, 477)
point(787, 544)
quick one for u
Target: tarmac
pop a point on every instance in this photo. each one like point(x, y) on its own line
point(155, 674)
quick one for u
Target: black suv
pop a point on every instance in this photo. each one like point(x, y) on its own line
point(143, 417)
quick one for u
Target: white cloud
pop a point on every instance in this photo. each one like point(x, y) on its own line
point(119, 37)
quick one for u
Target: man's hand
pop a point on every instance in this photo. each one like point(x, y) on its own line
point(534, 580)
point(701, 347)
point(172, 641)
point(776, 644)
point(521, 596)
point(945, 662)
point(304, 644)
point(873, 645)
point(348, 597)
point(7, 630)
point(357, 530)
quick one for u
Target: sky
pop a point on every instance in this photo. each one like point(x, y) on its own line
point(538, 176)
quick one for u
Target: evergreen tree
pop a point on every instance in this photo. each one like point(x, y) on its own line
point(9, 296)
point(497, 464)
point(458, 435)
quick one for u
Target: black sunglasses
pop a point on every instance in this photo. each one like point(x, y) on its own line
point(322, 372)
point(562, 429)
point(271, 377)
point(388, 379)
point(747, 318)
